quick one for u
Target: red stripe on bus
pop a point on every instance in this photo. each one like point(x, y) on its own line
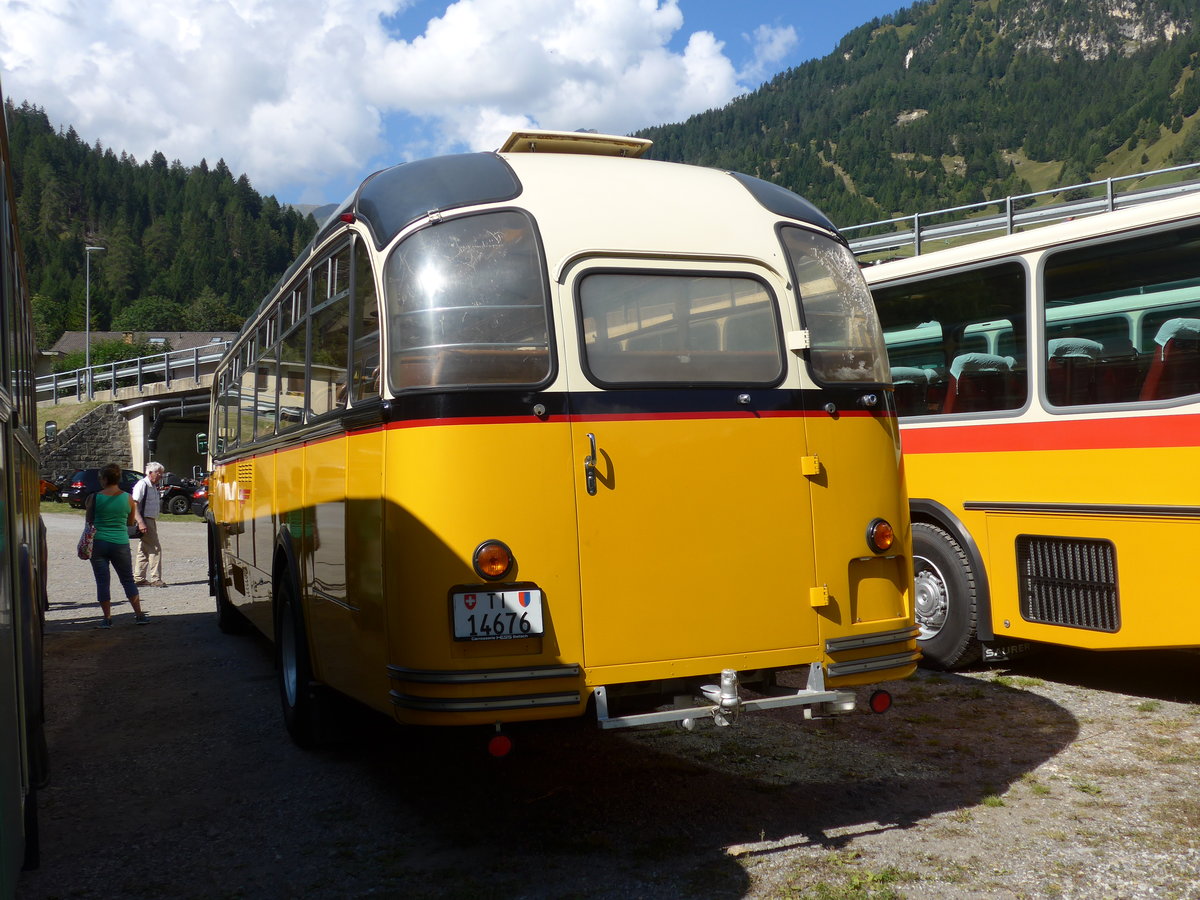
point(1069, 434)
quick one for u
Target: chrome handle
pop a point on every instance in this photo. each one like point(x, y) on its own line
point(589, 466)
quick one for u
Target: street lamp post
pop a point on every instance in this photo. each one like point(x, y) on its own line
point(87, 314)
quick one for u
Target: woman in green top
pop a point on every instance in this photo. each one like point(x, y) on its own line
point(111, 511)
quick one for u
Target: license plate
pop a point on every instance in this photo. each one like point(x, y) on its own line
point(497, 615)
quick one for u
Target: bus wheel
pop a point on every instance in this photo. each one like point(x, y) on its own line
point(301, 696)
point(945, 599)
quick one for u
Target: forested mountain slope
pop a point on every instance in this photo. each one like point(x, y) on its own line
point(186, 249)
point(955, 101)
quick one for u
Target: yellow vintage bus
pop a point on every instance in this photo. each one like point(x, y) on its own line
point(554, 428)
point(1048, 388)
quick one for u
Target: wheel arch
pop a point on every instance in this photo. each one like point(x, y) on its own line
point(933, 513)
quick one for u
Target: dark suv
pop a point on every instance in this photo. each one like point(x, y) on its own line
point(87, 481)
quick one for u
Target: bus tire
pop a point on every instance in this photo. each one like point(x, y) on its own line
point(302, 698)
point(945, 599)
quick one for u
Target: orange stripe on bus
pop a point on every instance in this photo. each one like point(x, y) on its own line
point(1167, 430)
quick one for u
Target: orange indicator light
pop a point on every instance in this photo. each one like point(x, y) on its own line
point(880, 536)
point(493, 560)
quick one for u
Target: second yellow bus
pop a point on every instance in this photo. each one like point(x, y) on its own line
point(1048, 387)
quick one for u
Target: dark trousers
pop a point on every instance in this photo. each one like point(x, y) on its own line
point(103, 553)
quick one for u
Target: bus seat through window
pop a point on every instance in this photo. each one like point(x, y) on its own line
point(1071, 370)
point(978, 381)
point(1175, 365)
point(1120, 370)
point(911, 384)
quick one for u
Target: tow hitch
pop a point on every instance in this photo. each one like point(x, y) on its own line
point(726, 703)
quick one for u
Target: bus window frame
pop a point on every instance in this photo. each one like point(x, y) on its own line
point(802, 312)
point(1130, 245)
point(739, 273)
point(295, 299)
point(544, 284)
point(360, 253)
point(1025, 320)
point(324, 263)
point(267, 356)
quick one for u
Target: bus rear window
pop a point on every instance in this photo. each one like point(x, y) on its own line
point(467, 305)
point(845, 339)
point(669, 328)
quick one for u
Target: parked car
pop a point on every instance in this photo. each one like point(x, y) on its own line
point(176, 493)
point(50, 490)
point(87, 481)
point(200, 498)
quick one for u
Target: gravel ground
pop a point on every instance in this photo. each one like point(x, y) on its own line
point(1064, 774)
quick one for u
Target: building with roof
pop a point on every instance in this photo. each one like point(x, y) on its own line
point(76, 342)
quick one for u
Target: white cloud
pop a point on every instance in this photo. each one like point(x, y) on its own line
point(301, 93)
point(771, 45)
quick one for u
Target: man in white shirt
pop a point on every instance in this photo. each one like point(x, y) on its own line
point(149, 553)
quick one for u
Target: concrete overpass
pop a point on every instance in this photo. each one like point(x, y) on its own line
point(162, 403)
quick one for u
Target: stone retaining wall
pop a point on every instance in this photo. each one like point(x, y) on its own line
point(96, 439)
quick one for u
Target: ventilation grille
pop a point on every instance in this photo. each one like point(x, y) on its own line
point(1069, 581)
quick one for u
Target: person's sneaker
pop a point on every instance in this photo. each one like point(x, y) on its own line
point(142, 582)
point(105, 623)
point(141, 618)
point(157, 583)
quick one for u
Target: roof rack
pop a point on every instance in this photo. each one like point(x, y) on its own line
point(911, 235)
point(589, 142)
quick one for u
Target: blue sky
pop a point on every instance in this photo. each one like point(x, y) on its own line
point(307, 97)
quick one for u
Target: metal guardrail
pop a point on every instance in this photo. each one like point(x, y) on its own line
point(161, 368)
point(975, 221)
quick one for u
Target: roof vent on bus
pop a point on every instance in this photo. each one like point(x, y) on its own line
point(588, 142)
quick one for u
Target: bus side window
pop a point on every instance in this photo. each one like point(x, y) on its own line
point(972, 364)
point(330, 333)
point(1124, 294)
point(266, 374)
point(366, 327)
point(248, 389)
point(293, 349)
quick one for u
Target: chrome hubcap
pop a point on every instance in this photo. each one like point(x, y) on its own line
point(932, 598)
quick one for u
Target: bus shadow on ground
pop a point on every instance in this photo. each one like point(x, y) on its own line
point(661, 812)
point(1155, 674)
point(170, 761)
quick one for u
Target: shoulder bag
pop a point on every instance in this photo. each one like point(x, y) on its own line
point(84, 548)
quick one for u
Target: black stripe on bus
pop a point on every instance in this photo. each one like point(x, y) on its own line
point(515, 404)
point(523, 405)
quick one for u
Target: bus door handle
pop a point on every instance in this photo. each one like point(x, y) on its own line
point(589, 466)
